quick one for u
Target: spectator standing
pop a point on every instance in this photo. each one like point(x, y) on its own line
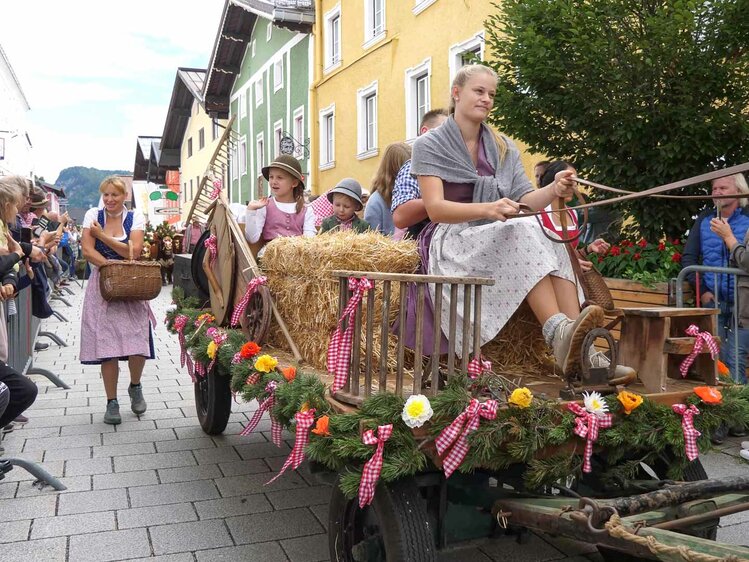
point(377, 212)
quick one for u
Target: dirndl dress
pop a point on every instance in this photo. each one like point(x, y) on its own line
point(117, 329)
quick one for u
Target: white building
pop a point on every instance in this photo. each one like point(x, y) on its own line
point(15, 145)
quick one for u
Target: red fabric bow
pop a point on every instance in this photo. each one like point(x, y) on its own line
point(700, 339)
point(373, 467)
point(252, 287)
point(266, 406)
point(587, 425)
point(687, 425)
point(212, 244)
point(216, 189)
point(339, 348)
point(477, 366)
point(455, 436)
point(180, 321)
point(304, 422)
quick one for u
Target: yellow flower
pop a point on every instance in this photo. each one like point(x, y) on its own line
point(521, 397)
point(630, 401)
point(211, 349)
point(417, 410)
point(265, 363)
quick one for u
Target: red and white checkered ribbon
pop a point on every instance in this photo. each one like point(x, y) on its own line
point(252, 288)
point(216, 189)
point(212, 244)
point(180, 321)
point(339, 348)
point(700, 339)
point(200, 370)
point(304, 422)
point(587, 425)
point(371, 473)
point(478, 366)
point(455, 436)
point(266, 406)
point(691, 434)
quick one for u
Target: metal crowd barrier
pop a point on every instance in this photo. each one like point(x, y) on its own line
point(732, 271)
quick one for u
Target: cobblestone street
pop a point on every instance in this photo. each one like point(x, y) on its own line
point(158, 487)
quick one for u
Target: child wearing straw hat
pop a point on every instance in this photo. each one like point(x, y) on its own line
point(346, 200)
point(284, 213)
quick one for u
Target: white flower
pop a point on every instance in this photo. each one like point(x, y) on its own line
point(594, 403)
point(417, 410)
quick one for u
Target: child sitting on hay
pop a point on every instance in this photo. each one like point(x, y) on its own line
point(284, 213)
point(346, 200)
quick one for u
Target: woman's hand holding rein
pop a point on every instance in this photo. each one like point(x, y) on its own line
point(501, 209)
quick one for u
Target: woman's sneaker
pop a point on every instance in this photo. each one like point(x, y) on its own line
point(112, 415)
point(569, 336)
point(137, 402)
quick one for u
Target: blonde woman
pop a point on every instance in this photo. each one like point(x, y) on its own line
point(378, 213)
point(114, 331)
point(471, 181)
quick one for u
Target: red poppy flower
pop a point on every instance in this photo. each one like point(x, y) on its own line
point(642, 243)
point(676, 257)
point(625, 251)
point(661, 246)
point(637, 256)
point(615, 250)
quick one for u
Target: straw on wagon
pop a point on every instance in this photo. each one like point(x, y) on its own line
point(306, 294)
point(299, 274)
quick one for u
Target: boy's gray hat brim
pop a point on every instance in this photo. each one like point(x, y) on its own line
point(350, 187)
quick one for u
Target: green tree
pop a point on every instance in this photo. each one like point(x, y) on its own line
point(637, 93)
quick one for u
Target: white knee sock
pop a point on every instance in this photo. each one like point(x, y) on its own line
point(550, 326)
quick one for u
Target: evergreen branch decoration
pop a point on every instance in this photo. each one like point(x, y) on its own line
point(538, 437)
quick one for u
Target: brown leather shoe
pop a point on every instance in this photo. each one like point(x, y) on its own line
point(569, 336)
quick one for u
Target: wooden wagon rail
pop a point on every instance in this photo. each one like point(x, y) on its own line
point(360, 382)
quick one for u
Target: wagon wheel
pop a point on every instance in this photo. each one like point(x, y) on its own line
point(395, 527)
point(255, 321)
point(213, 401)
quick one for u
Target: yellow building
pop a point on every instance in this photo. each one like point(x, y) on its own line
point(379, 66)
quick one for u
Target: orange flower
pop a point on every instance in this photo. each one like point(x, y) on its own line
point(630, 401)
point(708, 394)
point(322, 427)
point(249, 350)
point(723, 369)
point(289, 373)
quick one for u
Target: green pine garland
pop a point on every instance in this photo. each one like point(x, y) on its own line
point(516, 436)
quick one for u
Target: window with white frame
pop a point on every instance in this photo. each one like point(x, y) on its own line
point(466, 52)
point(367, 121)
point(215, 130)
point(192, 193)
point(259, 91)
point(332, 38)
point(260, 153)
point(269, 32)
point(252, 48)
point(243, 155)
point(418, 100)
point(233, 163)
point(327, 137)
point(374, 21)
point(421, 5)
point(242, 106)
point(277, 136)
point(299, 132)
point(278, 74)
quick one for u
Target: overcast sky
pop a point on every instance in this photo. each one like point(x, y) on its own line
point(98, 73)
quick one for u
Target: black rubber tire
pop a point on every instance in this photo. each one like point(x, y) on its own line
point(196, 265)
point(400, 511)
point(213, 401)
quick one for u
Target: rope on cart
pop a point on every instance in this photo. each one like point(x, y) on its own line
point(619, 531)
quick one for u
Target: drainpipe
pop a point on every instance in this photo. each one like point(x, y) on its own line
point(314, 123)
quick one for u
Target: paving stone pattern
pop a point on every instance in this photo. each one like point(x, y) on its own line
point(157, 487)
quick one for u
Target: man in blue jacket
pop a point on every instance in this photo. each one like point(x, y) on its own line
point(706, 247)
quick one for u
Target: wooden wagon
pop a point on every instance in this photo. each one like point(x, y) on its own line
point(645, 515)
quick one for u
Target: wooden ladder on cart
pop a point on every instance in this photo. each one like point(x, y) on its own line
point(203, 207)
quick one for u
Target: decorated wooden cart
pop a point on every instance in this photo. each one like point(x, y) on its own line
point(430, 450)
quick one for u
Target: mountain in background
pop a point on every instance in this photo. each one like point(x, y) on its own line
point(81, 184)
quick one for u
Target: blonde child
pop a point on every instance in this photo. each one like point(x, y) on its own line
point(346, 200)
point(284, 213)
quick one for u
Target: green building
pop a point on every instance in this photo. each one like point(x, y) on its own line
point(260, 74)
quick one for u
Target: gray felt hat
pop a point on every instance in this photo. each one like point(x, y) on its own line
point(347, 186)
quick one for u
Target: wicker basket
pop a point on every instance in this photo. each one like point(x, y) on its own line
point(129, 280)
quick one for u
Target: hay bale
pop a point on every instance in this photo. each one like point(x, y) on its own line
point(306, 294)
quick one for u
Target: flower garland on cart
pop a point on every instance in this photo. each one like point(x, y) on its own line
point(389, 437)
